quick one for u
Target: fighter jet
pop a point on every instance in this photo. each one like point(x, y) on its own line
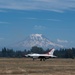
point(42, 56)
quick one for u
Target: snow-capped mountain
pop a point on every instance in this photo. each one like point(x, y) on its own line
point(37, 40)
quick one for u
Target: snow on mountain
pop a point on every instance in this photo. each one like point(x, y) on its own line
point(37, 40)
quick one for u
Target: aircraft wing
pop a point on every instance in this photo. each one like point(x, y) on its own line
point(46, 56)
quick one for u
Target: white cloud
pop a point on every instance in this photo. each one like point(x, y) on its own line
point(51, 5)
point(1, 39)
point(39, 27)
point(4, 22)
point(53, 20)
point(31, 18)
point(3, 11)
point(62, 41)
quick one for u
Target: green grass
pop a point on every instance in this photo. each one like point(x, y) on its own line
point(24, 66)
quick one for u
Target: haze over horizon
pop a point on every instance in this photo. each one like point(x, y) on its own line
point(53, 18)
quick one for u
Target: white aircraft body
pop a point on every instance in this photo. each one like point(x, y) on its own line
point(42, 56)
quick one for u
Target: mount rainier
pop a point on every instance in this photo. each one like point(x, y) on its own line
point(37, 40)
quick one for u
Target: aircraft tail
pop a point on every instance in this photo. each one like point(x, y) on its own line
point(51, 51)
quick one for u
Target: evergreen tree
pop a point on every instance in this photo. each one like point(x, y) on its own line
point(36, 49)
point(4, 52)
point(69, 53)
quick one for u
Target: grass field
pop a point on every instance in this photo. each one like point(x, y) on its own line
point(24, 66)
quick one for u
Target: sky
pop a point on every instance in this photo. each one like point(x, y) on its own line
point(53, 18)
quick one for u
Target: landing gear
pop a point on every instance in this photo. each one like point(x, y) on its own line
point(33, 59)
point(42, 59)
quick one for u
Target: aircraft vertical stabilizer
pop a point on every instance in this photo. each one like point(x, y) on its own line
point(51, 51)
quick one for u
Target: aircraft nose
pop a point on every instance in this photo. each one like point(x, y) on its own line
point(26, 55)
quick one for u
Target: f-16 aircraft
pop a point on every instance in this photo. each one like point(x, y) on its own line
point(42, 56)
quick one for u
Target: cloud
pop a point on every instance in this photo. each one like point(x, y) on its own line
point(1, 39)
point(3, 11)
point(43, 19)
point(32, 18)
point(53, 20)
point(62, 41)
point(39, 27)
point(51, 5)
point(4, 22)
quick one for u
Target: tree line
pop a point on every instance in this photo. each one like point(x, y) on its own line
point(61, 53)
